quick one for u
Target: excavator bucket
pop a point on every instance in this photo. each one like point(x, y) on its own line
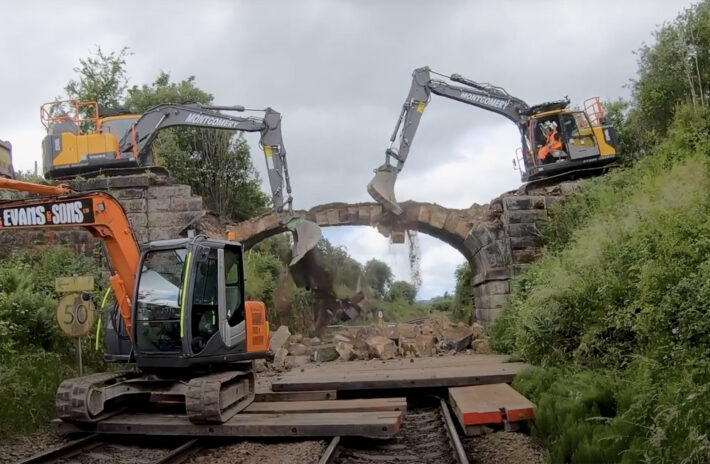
point(381, 188)
point(306, 235)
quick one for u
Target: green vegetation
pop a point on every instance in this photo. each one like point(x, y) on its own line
point(34, 355)
point(616, 312)
point(217, 164)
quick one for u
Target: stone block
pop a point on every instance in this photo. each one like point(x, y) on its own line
point(353, 214)
point(523, 230)
point(487, 316)
point(381, 347)
point(493, 255)
point(363, 214)
point(522, 243)
point(141, 235)
point(456, 338)
point(160, 233)
point(411, 213)
point(170, 191)
point(137, 220)
point(526, 255)
point(156, 205)
point(517, 217)
point(279, 337)
point(375, 214)
point(491, 301)
point(333, 217)
point(480, 346)
point(478, 331)
point(322, 218)
point(325, 353)
point(186, 204)
point(128, 193)
point(492, 287)
point(438, 217)
point(279, 362)
point(137, 205)
point(422, 345)
point(522, 202)
point(405, 330)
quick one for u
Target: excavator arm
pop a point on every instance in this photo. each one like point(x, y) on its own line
point(139, 138)
point(97, 212)
point(484, 96)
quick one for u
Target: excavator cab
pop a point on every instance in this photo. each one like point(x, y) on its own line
point(587, 141)
point(189, 309)
point(78, 140)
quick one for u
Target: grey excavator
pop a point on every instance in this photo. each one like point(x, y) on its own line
point(557, 141)
point(119, 142)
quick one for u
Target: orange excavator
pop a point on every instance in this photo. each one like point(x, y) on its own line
point(180, 304)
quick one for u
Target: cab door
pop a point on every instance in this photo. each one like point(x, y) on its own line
point(231, 295)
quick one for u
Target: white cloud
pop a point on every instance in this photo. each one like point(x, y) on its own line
point(338, 72)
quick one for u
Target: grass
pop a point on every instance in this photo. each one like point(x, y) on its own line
point(616, 312)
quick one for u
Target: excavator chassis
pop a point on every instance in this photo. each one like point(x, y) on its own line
point(207, 399)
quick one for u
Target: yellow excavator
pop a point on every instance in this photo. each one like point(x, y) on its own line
point(79, 145)
point(556, 141)
point(6, 170)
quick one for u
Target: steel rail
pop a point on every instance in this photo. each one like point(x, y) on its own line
point(329, 454)
point(64, 451)
point(459, 451)
point(182, 453)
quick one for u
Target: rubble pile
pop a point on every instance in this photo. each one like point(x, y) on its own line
point(430, 337)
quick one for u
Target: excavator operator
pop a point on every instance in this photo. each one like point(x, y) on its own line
point(553, 144)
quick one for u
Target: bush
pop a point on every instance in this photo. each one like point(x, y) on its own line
point(616, 312)
point(28, 385)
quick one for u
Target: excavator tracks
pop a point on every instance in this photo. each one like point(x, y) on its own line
point(81, 400)
point(216, 398)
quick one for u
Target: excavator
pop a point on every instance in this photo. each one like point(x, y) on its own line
point(6, 160)
point(76, 145)
point(557, 141)
point(180, 311)
point(181, 302)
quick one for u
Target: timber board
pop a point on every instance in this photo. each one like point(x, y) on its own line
point(383, 378)
point(379, 424)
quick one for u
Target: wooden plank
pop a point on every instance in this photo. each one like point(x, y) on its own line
point(450, 376)
point(489, 404)
point(292, 407)
point(380, 424)
point(296, 396)
point(460, 360)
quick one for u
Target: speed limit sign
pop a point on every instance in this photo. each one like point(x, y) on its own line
point(75, 315)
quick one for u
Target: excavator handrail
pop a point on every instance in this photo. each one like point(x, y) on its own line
point(48, 119)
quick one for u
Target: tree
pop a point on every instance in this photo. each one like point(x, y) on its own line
point(463, 298)
point(378, 276)
point(216, 164)
point(102, 78)
point(402, 291)
point(163, 91)
point(674, 70)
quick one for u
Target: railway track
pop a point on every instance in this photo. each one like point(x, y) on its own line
point(77, 450)
point(428, 435)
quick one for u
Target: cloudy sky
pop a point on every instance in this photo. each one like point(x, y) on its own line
point(339, 71)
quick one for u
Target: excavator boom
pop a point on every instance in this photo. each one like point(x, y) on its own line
point(139, 138)
point(99, 213)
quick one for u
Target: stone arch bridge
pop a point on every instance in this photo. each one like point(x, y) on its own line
point(497, 239)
